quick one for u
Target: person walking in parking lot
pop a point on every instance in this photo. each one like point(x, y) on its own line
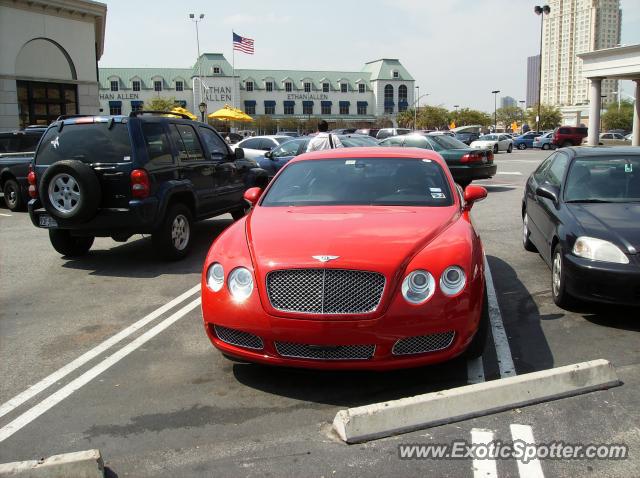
point(324, 140)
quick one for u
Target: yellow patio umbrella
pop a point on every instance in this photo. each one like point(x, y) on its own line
point(229, 113)
point(184, 111)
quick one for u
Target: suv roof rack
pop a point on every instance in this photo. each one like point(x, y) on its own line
point(64, 117)
point(135, 114)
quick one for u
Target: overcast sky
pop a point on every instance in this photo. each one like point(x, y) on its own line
point(457, 50)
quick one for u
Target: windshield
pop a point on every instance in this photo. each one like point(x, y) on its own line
point(350, 141)
point(604, 179)
point(282, 139)
point(489, 137)
point(441, 142)
point(370, 181)
point(289, 148)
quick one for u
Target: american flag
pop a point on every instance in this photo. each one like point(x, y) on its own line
point(245, 45)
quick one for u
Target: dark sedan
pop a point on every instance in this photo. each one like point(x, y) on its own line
point(465, 163)
point(581, 212)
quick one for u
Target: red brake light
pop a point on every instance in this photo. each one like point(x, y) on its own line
point(31, 179)
point(471, 158)
point(139, 183)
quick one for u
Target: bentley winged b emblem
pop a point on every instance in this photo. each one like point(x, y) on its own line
point(325, 258)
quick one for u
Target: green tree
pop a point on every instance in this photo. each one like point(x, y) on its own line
point(509, 115)
point(404, 119)
point(383, 122)
point(159, 103)
point(432, 117)
point(265, 125)
point(466, 116)
point(615, 118)
point(289, 124)
point(550, 116)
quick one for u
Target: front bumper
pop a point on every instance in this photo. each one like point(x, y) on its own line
point(603, 282)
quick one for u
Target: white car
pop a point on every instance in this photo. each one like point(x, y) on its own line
point(610, 139)
point(494, 142)
point(256, 146)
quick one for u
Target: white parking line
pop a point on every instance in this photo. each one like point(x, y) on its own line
point(532, 468)
point(5, 215)
point(483, 468)
point(52, 400)
point(500, 340)
point(512, 173)
point(94, 352)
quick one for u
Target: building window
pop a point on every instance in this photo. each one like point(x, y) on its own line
point(307, 87)
point(136, 105)
point(249, 85)
point(307, 108)
point(216, 70)
point(250, 109)
point(344, 107)
point(402, 98)
point(269, 109)
point(115, 107)
point(361, 88)
point(114, 86)
point(289, 107)
point(179, 86)
point(41, 103)
point(269, 86)
point(157, 86)
point(288, 86)
point(136, 85)
point(396, 74)
point(362, 108)
point(325, 87)
point(388, 99)
point(325, 108)
point(343, 87)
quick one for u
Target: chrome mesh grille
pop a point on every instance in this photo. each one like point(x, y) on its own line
point(423, 343)
point(324, 352)
point(239, 338)
point(325, 291)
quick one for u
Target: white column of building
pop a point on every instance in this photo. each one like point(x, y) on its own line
point(635, 138)
point(594, 111)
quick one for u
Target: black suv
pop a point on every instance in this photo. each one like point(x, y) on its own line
point(115, 176)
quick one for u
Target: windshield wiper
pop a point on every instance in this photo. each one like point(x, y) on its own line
point(588, 201)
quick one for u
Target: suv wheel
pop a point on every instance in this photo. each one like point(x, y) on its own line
point(522, 146)
point(68, 245)
point(567, 144)
point(12, 196)
point(545, 146)
point(173, 238)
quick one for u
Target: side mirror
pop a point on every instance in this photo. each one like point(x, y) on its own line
point(268, 154)
point(239, 153)
point(473, 194)
point(548, 191)
point(252, 195)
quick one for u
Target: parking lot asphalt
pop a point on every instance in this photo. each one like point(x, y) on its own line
point(163, 402)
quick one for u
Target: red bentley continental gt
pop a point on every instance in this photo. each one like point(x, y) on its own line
point(354, 258)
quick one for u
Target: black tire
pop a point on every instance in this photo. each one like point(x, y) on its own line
point(68, 245)
point(510, 148)
point(80, 202)
point(545, 146)
point(479, 341)
point(173, 238)
point(12, 195)
point(495, 149)
point(526, 242)
point(559, 291)
point(522, 146)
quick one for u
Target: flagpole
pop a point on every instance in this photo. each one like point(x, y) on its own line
point(233, 65)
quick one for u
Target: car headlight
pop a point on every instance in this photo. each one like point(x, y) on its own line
point(418, 287)
point(452, 280)
point(215, 277)
point(240, 283)
point(599, 250)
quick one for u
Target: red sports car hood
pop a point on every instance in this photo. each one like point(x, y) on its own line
point(372, 238)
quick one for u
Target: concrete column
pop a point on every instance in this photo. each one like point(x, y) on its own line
point(578, 118)
point(594, 111)
point(635, 137)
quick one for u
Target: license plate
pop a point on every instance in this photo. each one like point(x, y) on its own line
point(47, 221)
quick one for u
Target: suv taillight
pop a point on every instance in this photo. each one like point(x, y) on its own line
point(31, 179)
point(471, 158)
point(139, 183)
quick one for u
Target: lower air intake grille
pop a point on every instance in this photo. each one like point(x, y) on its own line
point(325, 352)
point(423, 343)
point(239, 338)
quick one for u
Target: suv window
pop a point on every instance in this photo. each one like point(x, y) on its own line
point(8, 143)
point(267, 144)
point(157, 143)
point(563, 131)
point(253, 143)
point(86, 142)
point(190, 141)
point(214, 143)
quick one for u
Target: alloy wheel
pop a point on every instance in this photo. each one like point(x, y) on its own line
point(64, 194)
point(180, 232)
point(556, 274)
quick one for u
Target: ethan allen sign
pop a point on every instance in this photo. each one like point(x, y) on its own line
point(306, 96)
point(119, 96)
point(218, 93)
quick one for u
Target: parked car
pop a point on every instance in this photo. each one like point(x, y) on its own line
point(628, 137)
point(368, 131)
point(610, 139)
point(274, 285)
point(115, 176)
point(565, 136)
point(580, 212)
point(355, 140)
point(233, 138)
point(525, 140)
point(343, 131)
point(495, 142)
point(467, 137)
point(16, 152)
point(255, 146)
point(293, 134)
point(544, 141)
point(464, 162)
point(388, 132)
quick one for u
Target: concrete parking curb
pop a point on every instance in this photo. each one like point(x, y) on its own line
point(379, 420)
point(81, 464)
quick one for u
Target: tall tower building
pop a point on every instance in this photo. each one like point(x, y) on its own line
point(507, 102)
point(572, 27)
point(533, 76)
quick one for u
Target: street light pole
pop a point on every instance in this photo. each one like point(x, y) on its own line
point(196, 20)
point(495, 110)
point(542, 11)
point(415, 109)
point(522, 102)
